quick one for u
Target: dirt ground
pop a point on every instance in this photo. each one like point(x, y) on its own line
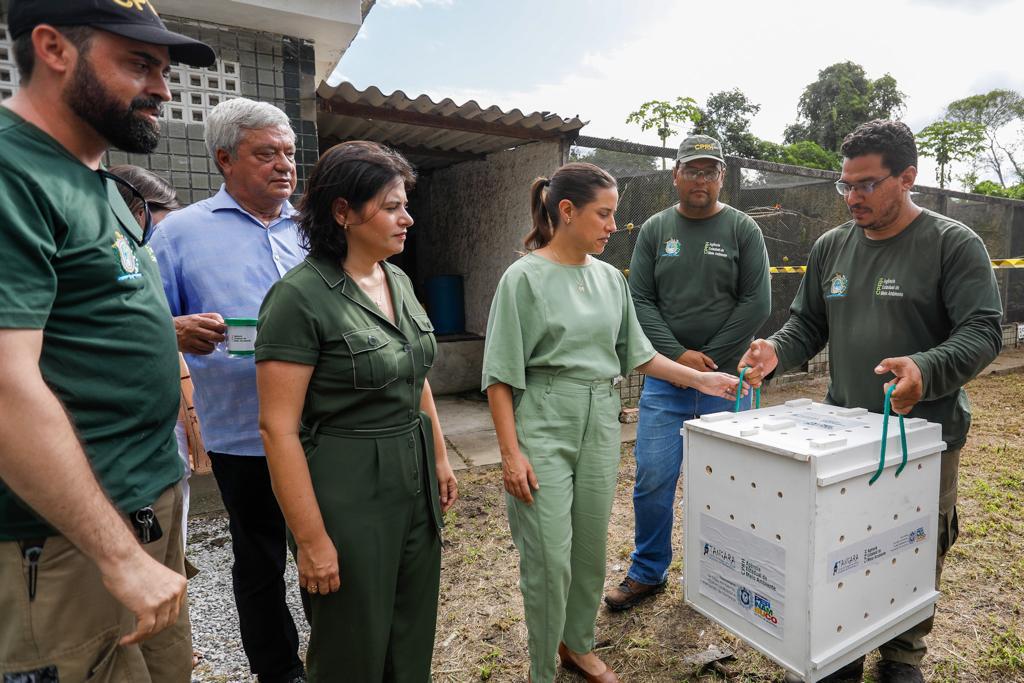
point(979, 632)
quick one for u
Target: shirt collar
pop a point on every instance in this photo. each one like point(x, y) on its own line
point(223, 200)
point(332, 273)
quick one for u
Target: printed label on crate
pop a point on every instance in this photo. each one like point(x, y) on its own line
point(875, 548)
point(743, 573)
point(824, 421)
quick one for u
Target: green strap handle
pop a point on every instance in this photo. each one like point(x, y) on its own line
point(885, 435)
point(739, 391)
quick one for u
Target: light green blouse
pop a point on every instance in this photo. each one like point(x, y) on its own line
point(576, 321)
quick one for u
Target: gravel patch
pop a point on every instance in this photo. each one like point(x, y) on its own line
point(215, 633)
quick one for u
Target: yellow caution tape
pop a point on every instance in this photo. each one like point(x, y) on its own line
point(996, 263)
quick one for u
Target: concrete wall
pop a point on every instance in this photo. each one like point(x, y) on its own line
point(473, 217)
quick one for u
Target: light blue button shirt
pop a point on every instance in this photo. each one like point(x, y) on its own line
point(217, 258)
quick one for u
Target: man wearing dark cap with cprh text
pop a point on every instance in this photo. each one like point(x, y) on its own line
point(699, 280)
point(92, 582)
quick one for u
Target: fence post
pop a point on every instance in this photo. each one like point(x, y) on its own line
point(733, 181)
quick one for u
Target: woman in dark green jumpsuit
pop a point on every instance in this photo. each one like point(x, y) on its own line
point(356, 455)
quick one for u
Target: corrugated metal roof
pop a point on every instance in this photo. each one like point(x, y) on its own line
point(431, 134)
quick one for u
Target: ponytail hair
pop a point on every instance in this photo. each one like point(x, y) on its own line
point(577, 182)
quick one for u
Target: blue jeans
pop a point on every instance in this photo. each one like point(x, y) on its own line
point(659, 457)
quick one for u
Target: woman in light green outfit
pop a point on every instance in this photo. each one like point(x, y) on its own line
point(561, 328)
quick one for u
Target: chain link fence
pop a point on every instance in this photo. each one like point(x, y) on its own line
point(793, 206)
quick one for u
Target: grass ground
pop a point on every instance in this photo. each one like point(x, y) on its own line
point(979, 632)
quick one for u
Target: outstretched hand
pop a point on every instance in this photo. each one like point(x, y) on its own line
point(909, 383)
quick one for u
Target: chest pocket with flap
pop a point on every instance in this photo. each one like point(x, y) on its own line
point(428, 344)
point(374, 365)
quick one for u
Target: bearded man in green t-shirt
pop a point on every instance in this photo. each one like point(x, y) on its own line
point(902, 295)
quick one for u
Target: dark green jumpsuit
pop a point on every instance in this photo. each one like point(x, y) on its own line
point(370, 454)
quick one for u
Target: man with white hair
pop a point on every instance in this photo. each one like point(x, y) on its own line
point(218, 258)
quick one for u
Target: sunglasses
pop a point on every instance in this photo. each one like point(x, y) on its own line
point(147, 226)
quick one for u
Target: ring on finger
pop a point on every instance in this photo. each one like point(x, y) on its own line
point(312, 588)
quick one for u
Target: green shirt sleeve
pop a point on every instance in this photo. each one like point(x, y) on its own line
point(754, 300)
point(644, 292)
point(971, 297)
point(513, 328)
point(28, 290)
point(806, 331)
point(632, 346)
point(289, 328)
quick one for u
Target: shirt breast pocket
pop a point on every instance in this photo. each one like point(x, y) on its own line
point(427, 342)
point(374, 364)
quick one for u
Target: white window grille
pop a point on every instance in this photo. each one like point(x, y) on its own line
point(194, 92)
point(8, 70)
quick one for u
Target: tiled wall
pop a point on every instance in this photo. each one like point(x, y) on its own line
point(261, 66)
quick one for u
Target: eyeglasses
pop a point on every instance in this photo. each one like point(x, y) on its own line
point(708, 174)
point(866, 187)
point(147, 226)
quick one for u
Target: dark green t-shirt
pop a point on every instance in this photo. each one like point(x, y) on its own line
point(72, 269)
point(701, 284)
point(928, 293)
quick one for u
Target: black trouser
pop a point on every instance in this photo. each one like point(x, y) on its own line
point(257, 526)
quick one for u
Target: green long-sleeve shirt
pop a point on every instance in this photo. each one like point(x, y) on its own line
point(701, 284)
point(928, 293)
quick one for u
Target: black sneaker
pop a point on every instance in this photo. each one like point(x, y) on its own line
point(898, 672)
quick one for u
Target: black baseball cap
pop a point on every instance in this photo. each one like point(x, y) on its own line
point(135, 19)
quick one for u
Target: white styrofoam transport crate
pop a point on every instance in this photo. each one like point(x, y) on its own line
point(788, 546)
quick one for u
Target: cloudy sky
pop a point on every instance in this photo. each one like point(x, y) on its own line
point(601, 58)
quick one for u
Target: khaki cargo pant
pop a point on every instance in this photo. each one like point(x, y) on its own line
point(70, 630)
point(909, 647)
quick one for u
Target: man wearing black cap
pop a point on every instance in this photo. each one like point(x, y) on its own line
point(699, 280)
point(91, 563)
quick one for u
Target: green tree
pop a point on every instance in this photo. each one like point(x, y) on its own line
point(662, 116)
point(841, 99)
point(994, 111)
point(726, 117)
point(949, 141)
point(996, 190)
point(810, 154)
point(616, 162)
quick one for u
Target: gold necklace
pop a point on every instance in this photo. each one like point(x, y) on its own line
point(379, 294)
point(581, 286)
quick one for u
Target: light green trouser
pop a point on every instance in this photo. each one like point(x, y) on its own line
point(569, 431)
point(909, 647)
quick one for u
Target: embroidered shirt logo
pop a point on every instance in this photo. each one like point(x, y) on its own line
point(715, 249)
point(126, 255)
point(838, 286)
point(888, 287)
point(672, 248)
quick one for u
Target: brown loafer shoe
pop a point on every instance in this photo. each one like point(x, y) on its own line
point(565, 657)
point(630, 592)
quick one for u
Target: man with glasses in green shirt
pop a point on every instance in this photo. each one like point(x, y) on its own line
point(699, 281)
point(902, 295)
point(91, 563)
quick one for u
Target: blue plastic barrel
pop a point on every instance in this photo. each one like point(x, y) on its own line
point(445, 304)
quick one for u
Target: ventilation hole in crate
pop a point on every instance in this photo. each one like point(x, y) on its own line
point(866, 615)
point(896, 516)
point(839, 629)
point(867, 426)
point(867, 572)
point(869, 527)
point(708, 469)
point(783, 433)
point(753, 526)
point(735, 422)
point(780, 494)
point(842, 539)
point(732, 477)
point(915, 589)
point(918, 508)
point(892, 601)
point(917, 550)
point(842, 491)
point(753, 484)
point(840, 585)
point(919, 465)
point(894, 560)
point(732, 517)
point(708, 507)
point(778, 537)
